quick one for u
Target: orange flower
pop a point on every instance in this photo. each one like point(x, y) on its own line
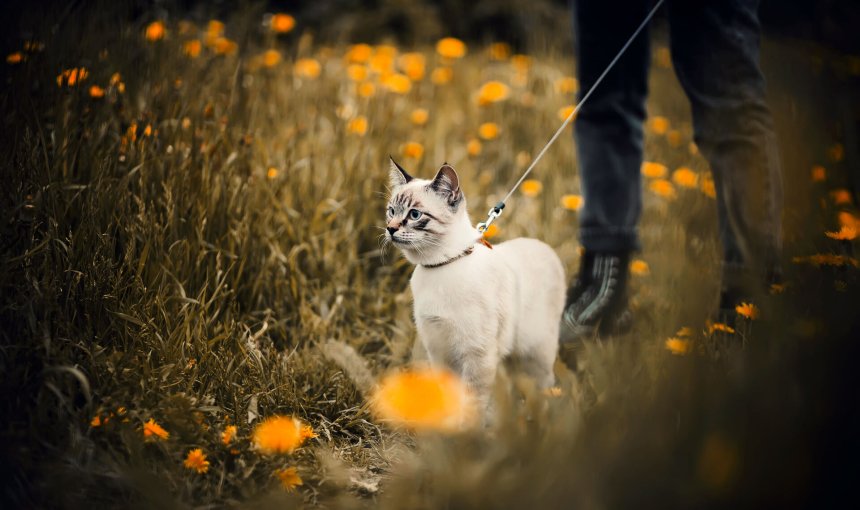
point(654, 170)
point(152, 430)
point(196, 461)
point(639, 267)
point(693, 148)
point(684, 332)
point(493, 92)
point(289, 478)
point(449, 47)
point(97, 92)
point(841, 196)
point(423, 398)
point(278, 434)
point(155, 31)
point(357, 126)
point(71, 77)
point(413, 150)
point(192, 48)
point(836, 152)
point(441, 75)
point(708, 187)
point(356, 72)
point(307, 68)
point(658, 125)
point(846, 219)
point(474, 147)
point(491, 231)
point(228, 434)
point(358, 53)
point(282, 23)
point(419, 116)
point(846, 233)
point(499, 51)
point(678, 346)
point(718, 326)
point(15, 58)
point(307, 432)
point(819, 173)
point(224, 46)
point(748, 310)
point(488, 130)
point(566, 111)
point(366, 89)
point(827, 259)
point(412, 65)
point(397, 83)
point(270, 58)
point(663, 188)
point(572, 202)
point(674, 137)
point(272, 172)
point(685, 177)
point(214, 29)
point(96, 421)
point(531, 187)
point(381, 63)
point(521, 63)
point(566, 85)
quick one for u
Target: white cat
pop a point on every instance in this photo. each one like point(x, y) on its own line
point(474, 305)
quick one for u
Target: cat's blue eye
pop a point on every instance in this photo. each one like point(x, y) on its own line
point(391, 211)
point(414, 214)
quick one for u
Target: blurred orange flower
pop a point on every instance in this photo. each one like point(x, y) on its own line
point(307, 432)
point(71, 77)
point(442, 75)
point(97, 92)
point(493, 92)
point(450, 47)
point(282, 23)
point(152, 430)
point(272, 172)
point(307, 68)
point(708, 187)
point(289, 478)
point(413, 150)
point(663, 188)
point(841, 196)
point(639, 267)
point(366, 89)
point(836, 152)
point(356, 72)
point(566, 85)
point(565, 111)
point(155, 31)
point(531, 187)
point(397, 83)
point(654, 170)
point(522, 63)
point(228, 434)
point(685, 177)
point(381, 63)
point(678, 346)
point(748, 310)
point(474, 147)
point(713, 327)
point(425, 399)
point(488, 130)
point(846, 219)
point(412, 65)
point(846, 233)
point(491, 231)
point(192, 48)
point(819, 173)
point(271, 58)
point(674, 137)
point(499, 51)
point(96, 421)
point(658, 125)
point(196, 461)
point(278, 434)
point(419, 116)
point(224, 46)
point(572, 202)
point(14, 58)
point(357, 126)
point(358, 53)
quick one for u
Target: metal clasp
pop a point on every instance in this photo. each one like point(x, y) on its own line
point(494, 213)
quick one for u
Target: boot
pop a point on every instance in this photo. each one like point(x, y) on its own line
point(597, 301)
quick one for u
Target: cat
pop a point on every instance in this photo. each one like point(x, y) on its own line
point(474, 305)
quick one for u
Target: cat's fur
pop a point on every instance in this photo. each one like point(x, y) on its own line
point(484, 306)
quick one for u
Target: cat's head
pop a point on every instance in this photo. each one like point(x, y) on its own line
point(426, 219)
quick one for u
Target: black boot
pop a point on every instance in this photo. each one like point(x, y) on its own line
point(597, 301)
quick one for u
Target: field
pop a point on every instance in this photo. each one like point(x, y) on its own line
point(191, 245)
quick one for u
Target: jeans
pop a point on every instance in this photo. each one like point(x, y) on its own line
point(715, 53)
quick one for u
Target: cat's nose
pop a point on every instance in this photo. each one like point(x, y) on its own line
point(392, 230)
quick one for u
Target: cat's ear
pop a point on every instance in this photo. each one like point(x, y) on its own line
point(396, 174)
point(447, 184)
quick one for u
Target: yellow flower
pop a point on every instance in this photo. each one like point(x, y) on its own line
point(196, 460)
point(192, 48)
point(366, 89)
point(155, 31)
point(14, 58)
point(684, 332)
point(449, 47)
point(386, 49)
point(397, 83)
point(423, 398)
point(272, 172)
point(357, 126)
point(493, 92)
point(282, 23)
point(356, 72)
point(654, 170)
point(663, 57)
point(413, 150)
point(224, 46)
point(663, 188)
point(307, 432)
point(748, 310)
point(419, 116)
point(708, 187)
point(658, 125)
point(639, 267)
point(685, 177)
point(270, 58)
point(492, 231)
point(71, 77)
point(289, 478)
point(531, 187)
point(358, 53)
point(566, 111)
point(381, 63)
point(488, 130)
point(572, 202)
point(307, 68)
point(521, 63)
point(412, 65)
point(841, 196)
point(827, 259)
point(846, 219)
point(152, 430)
point(147, 131)
point(846, 233)
point(836, 152)
point(97, 92)
point(499, 51)
point(566, 85)
point(718, 326)
point(819, 173)
point(278, 434)
point(96, 421)
point(678, 346)
point(441, 75)
point(228, 434)
point(474, 147)
point(674, 137)
point(214, 29)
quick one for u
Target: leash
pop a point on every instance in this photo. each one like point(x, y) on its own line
point(496, 210)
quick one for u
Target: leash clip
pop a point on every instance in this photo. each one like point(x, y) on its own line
point(494, 213)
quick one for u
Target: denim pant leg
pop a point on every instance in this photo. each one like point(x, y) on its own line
point(609, 126)
point(715, 51)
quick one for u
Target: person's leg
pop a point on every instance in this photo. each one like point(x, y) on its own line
point(715, 50)
point(608, 133)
